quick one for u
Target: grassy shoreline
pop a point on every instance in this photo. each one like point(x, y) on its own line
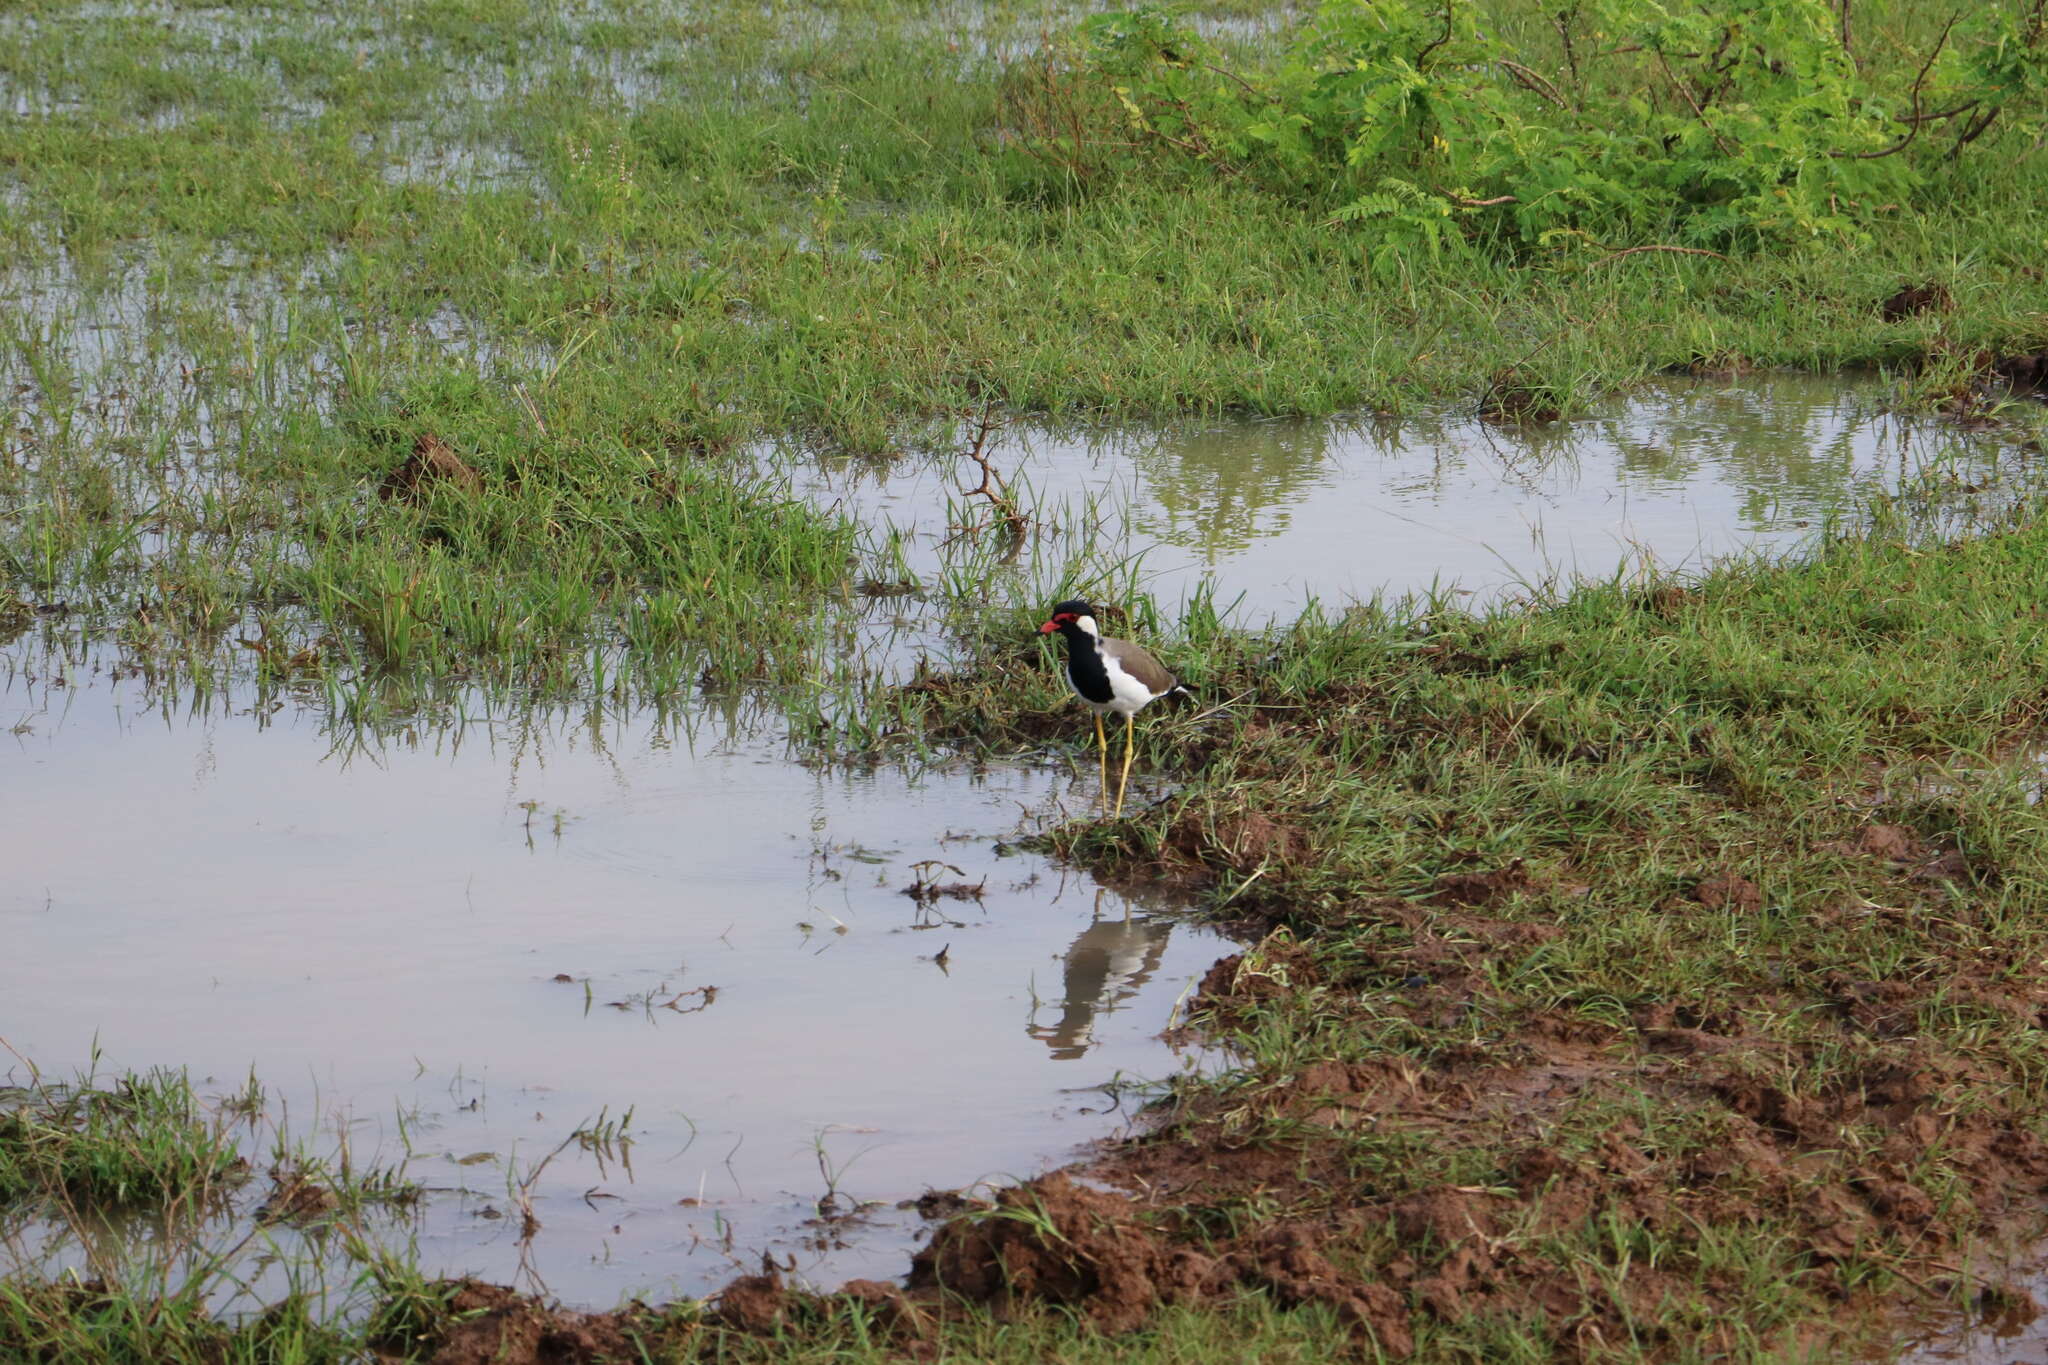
point(1659, 963)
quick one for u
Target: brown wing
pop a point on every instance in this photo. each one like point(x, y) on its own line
point(1136, 661)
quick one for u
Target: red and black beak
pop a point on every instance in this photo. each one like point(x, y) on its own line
point(1049, 627)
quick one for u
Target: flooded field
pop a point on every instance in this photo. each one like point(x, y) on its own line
point(419, 671)
point(469, 941)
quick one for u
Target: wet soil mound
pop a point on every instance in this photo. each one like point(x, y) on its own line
point(487, 1324)
point(1057, 1242)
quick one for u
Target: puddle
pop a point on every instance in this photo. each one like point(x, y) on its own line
point(2007, 1330)
point(1280, 512)
point(464, 944)
point(381, 938)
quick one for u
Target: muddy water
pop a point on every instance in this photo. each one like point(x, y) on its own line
point(1279, 512)
point(381, 935)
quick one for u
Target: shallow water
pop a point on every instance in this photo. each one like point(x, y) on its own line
point(378, 934)
point(2007, 1333)
point(1279, 512)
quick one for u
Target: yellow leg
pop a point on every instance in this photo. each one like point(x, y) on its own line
point(1124, 781)
point(1102, 749)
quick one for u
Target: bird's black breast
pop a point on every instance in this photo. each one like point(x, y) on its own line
point(1085, 670)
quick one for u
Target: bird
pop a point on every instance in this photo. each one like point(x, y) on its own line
point(1111, 677)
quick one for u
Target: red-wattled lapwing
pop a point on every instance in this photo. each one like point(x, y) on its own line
point(1111, 677)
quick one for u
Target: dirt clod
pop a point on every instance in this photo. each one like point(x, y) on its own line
point(1668, 600)
point(432, 464)
point(1440, 1217)
point(1481, 888)
point(296, 1198)
point(937, 1204)
point(752, 1303)
point(1288, 1261)
point(2025, 373)
point(1515, 396)
point(1057, 1242)
point(1243, 841)
point(1911, 299)
point(1895, 842)
point(1728, 891)
point(487, 1324)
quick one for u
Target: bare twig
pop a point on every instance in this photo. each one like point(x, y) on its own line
point(1938, 115)
point(992, 485)
point(1978, 126)
point(1534, 81)
point(1462, 202)
point(1563, 19)
point(1913, 121)
point(1685, 92)
point(1196, 144)
point(1249, 88)
point(1442, 38)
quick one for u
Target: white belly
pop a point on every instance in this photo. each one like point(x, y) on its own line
point(1129, 695)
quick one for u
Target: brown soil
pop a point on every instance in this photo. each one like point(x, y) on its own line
point(432, 464)
point(295, 1198)
point(2026, 373)
point(1388, 1259)
point(1917, 298)
point(1481, 888)
point(1728, 891)
point(484, 1324)
point(1668, 600)
point(1057, 1242)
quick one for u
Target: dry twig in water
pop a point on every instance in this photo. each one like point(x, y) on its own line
point(992, 486)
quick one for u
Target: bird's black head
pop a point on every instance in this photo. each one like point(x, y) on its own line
point(1067, 616)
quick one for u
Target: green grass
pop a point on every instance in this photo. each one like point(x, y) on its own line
point(1604, 761)
point(144, 1142)
point(136, 1227)
point(265, 251)
point(260, 254)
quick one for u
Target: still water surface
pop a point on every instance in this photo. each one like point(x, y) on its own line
point(379, 934)
point(1278, 512)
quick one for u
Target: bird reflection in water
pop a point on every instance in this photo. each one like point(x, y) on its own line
point(1109, 962)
